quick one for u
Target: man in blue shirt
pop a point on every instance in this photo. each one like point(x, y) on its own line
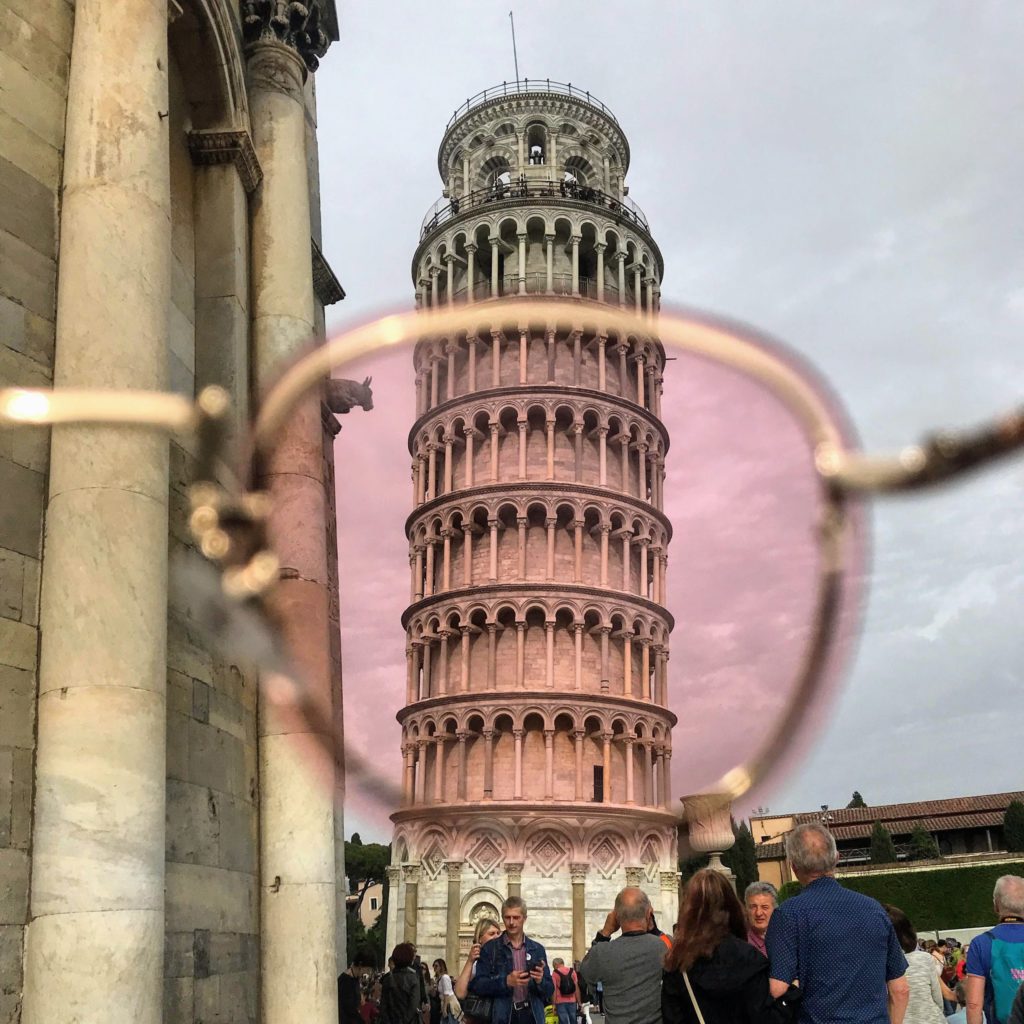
point(995, 961)
point(838, 945)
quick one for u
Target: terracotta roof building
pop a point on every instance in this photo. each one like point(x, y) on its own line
point(961, 826)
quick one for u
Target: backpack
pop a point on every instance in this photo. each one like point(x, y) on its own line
point(1006, 975)
point(566, 986)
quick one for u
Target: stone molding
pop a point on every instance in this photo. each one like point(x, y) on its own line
point(544, 395)
point(326, 285)
point(211, 147)
point(308, 29)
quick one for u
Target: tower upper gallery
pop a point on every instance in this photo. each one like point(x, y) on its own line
point(535, 202)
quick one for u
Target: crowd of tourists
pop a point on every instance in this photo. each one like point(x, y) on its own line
point(824, 956)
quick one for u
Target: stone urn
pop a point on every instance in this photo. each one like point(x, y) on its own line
point(709, 827)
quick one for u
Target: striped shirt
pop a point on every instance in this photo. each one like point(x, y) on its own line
point(520, 993)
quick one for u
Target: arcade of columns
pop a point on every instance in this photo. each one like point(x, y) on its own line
point(536, 732)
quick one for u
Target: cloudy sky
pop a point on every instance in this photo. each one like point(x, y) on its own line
point(846, 177)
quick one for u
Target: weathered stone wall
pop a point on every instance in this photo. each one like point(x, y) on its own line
point(35, 43)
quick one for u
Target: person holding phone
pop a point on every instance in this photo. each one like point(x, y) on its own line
point(513, 972)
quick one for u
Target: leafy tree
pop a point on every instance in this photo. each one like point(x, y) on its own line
point(365, 863)
point(789, 889)
point(1013, 827)
point(857, 801)
point(883, 850)
point(922, 844)
point(741, 859)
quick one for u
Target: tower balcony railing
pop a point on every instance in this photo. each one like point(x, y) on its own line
point(496, 92)
point(537, 284)
point(445, 209)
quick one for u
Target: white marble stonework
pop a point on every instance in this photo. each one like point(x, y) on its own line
point(536, 734)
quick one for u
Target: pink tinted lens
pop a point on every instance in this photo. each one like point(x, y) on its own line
point(743, 503)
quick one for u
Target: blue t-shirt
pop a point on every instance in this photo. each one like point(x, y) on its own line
point(979, 958)
point(842, 948)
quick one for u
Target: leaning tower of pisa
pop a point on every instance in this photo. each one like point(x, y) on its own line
point(536, 731)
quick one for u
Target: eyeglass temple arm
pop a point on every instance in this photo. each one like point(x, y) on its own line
point(939, 457)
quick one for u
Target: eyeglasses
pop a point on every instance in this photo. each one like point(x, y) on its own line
point(232, 586)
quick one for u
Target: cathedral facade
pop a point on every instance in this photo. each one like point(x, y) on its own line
point(162, 856)
point(536, 733)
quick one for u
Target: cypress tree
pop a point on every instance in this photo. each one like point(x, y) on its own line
point(922, 844)
point(1013, 827)
point(883, 850)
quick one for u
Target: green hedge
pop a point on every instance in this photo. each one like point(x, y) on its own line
point(958, 897)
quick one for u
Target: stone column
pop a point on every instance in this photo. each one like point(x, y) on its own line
point(522, 264)
point(620, 258)
point(549, 243)
point(577, 444)
point(549, 764)
point(637, 289)
point(488, 763)
point(463, 773)
point(514, 874)
point(97, 887)
point(467, 639)
point(578, 874)
point(577, 677)
point(602, 434)
point(495, 429)
point(451, 944)
point(605, 530)
point(630, 798)
point(494, 269)
point(495, 362)
point(467, 554)
point(446, 559)
point(575, 241)
point(450, 288)
point(522, 449)
point(428, 580)
point(549, 654)
point(550, 429)
point(492, 655)
point(394, 876)
point(577, 570)
point(471, 297)
point(493, 552)
point(600, 247)
point(520, 655)
point(470, 432)
point(605, 632)
point(669, 897)
point(578, 736)
point(607, 794)
point(517, 735)
point(412, 885)
point(296, 818)
point(449, 446)
point(522, 522)
point(524, 343)
point(627, 662)
point(549, 569)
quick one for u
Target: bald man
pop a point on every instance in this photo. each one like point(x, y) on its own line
point(629, 969)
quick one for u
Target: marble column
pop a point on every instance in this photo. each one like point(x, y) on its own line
point(297, 856)
point(97, 887)
point(669, 899)
point(453, 920)
point(578, 875)
point(411, 873)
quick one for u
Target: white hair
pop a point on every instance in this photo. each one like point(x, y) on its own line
point(1008, 896)
point(811, 849)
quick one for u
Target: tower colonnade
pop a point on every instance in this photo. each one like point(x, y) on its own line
point(536, 734)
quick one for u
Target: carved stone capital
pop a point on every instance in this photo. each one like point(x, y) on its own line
point(669, 880)
point(213, 147)
point(454, 869)
point(578, 873)
point(307, 28)
point(514, 872)
point(634, 875)
point(393, 873)
point(411, 873)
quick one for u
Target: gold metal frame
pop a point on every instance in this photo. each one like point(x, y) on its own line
point(227, 519)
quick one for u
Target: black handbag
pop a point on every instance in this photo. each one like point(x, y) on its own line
point(478, 1007)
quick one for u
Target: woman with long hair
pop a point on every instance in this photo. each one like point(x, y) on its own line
point(711, 973)
point(486, 929)
point(450, 1011)
point(927, 990)
point(400, 988)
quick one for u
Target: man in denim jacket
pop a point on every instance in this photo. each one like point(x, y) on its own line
point(513, 972)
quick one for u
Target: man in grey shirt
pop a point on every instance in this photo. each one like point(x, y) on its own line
point(629, 968)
